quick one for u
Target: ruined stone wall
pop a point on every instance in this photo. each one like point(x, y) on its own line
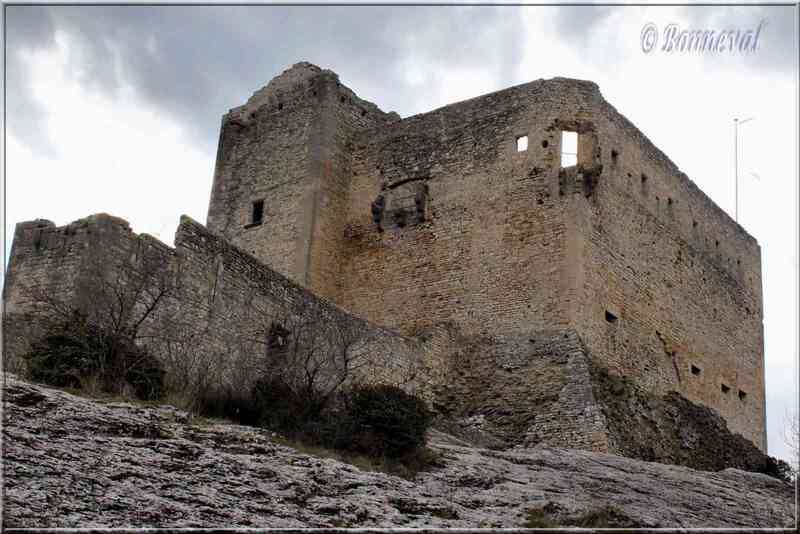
point(342, 114)
point(284, 147)
point(61, 265)
point(220, 311)
point(263, 156)
point(680, 279)
point(489, 246)
point(231, 297)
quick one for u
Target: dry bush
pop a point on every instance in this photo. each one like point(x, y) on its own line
point(99, 336)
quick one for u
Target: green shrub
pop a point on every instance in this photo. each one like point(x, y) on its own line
point(75, 353)
point(59, 360)
point(277, 405)
point(383, 421)
point(380, 422)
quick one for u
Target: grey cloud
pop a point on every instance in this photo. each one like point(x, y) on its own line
point(22, 112)
point(576, 23)
point(193, 63)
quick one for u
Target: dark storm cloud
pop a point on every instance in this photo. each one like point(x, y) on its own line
point(193, 63)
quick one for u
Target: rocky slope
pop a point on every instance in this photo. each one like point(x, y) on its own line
point(70, 461)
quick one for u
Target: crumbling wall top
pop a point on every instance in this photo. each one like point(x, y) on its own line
point(97, 222)
point(300, 79)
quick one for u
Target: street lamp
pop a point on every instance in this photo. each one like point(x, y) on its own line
point(736, 123)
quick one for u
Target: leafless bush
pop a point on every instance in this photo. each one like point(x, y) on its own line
point(309, 351)
point(97, 329)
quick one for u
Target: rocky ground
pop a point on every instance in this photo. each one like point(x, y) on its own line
point(74, 462)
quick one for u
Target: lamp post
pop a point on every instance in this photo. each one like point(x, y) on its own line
point(736, 123)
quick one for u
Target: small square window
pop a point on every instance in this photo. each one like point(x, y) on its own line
point(258, 212)
point(610, 317)
point(522, 143)
point(695, 370)
point(569, 148)
point(725, 389)
point(742, 395)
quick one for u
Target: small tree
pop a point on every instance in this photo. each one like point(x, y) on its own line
point(306, 357)
point(309, 355)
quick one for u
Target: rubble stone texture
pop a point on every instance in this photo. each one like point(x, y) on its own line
point(496, 275)
point(73, 462)
point(510, 243)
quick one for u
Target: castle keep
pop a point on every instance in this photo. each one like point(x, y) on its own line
point(504, 243)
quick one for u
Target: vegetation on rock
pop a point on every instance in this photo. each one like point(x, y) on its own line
point(82, 355)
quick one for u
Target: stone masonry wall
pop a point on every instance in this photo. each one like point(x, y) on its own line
point(60, 263)
point(437, 226)
point(285, 147)
point(508, 242)
point(231, 295)
point(439, 218)
point(680, 278)
point(224, 297)
point(491, 246)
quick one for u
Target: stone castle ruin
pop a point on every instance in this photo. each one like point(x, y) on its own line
point(511, 248)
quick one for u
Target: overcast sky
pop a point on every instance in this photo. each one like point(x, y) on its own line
point(117, 109)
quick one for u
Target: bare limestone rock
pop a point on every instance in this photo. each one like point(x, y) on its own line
point(74, 462)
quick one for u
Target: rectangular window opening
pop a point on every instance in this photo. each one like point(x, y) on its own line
point(569, 148)
point(258, 212)
point(742, 395)
point(695, 370)
point(522, 143)
point(725, 389)
point(610, 317)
